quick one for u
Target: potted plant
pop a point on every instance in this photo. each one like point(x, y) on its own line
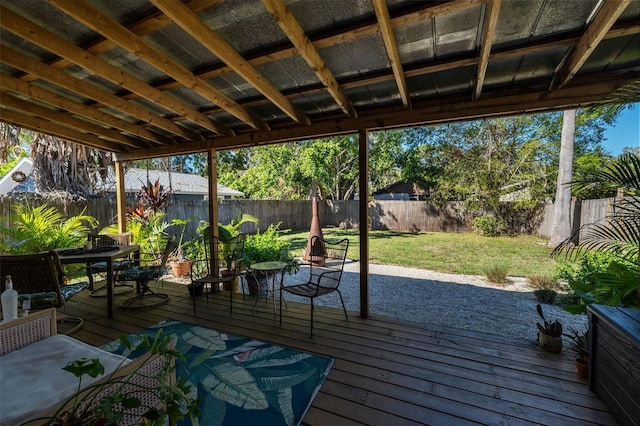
point(267, 246)
point(97, 404)
point(180, 265)
point(549, 333)
point(579, 343)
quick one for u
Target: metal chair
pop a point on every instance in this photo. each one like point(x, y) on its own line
point(222, 265)
point(325, 272)
point(108, 240)
point(156, 267)
point(37, 277)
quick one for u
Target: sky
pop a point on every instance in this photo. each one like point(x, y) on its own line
point(625, 132)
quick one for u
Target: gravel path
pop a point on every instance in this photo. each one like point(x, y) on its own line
point(434, 298)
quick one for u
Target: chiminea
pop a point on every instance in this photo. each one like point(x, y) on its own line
point(316, 253)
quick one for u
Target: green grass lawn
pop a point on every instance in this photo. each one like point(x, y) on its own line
point(521, 255)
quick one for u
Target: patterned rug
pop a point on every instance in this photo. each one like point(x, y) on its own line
point(242, 381)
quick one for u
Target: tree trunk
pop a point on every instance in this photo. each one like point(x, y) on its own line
point(561, 228)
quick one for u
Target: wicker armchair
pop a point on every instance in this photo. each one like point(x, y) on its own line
point(37, 277)
point(109, 240)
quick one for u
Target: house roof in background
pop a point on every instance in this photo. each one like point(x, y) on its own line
point(134, 179)
point(151, 78)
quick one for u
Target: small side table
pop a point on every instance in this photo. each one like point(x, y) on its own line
point(271, 271)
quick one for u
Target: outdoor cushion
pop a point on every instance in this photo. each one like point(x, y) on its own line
point(49, 298)
point(33, 380)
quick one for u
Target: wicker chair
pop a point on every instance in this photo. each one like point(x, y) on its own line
point(155, 267)
point(325, 272)
point(108, 240)
point(225, 268)
point(37, 277)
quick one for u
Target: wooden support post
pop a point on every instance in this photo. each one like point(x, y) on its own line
point(213, 200)
point(121, 197)
point(363, 190)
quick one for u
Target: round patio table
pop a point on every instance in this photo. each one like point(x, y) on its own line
point(271, 271)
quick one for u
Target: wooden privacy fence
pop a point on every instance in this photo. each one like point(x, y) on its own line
point(385, 214)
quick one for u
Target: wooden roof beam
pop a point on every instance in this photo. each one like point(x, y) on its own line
point(44, 126)
point(83, 88)
point(67, 120)
point(37, 35)
point(596, 30)
point(386, 31)
point(103, 24)
point(291, 27)
point(145, 26)
point(26, 89)
point(488, 35)
point(194, 26)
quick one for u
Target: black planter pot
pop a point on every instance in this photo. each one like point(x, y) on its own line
point(545, 296)
point(257, 284)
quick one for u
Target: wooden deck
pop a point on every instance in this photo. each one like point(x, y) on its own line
point(387, 372)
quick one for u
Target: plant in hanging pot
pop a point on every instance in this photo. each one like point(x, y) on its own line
point(180, 265)
point(549, 333)
point(579, 343)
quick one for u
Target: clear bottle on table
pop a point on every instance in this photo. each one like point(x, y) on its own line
point(9, 300)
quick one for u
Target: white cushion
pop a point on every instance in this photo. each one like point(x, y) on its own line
point(33, 381)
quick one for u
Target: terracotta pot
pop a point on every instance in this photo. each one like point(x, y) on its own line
point(582, 367)
point(550, 343)
point(181, 269)
point(230, 285)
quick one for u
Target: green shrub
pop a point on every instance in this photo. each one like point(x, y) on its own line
point(266, 246)
point(489, 226)
point(497, 274)
point(601, 278)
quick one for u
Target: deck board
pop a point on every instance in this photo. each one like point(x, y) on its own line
point(386, 371)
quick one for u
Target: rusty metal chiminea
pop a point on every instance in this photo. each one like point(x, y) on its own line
point(315, 254)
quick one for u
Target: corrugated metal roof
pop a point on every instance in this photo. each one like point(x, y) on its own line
point(283, 70)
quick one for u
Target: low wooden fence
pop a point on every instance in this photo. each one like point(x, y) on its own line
point(385, 214)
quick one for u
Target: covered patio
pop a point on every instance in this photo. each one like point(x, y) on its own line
point(152, 78)
point(387, 371)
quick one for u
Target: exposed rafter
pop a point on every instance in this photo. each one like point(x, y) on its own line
point(193, 25)
point(386, 31)
point(60, 78)
point(596, 30)
point(66, 120)
point(37, 35)
point(26, 89)
point(488, 34)
point(99, 22)
point(45, 126)
point(290, 26)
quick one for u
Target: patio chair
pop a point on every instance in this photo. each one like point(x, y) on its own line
point(325, 272)
point(224, 268)
point(37, 277)
point(155, 266)
point(108, 240)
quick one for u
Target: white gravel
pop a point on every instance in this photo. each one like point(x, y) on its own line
point(433, 298)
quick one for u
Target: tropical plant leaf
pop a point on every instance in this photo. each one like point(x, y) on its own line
point(285, 406)
point(278, 362)
point(233, 384)
point(279, 379)
point(205, 338)
point(246, 347)
point(213, 410)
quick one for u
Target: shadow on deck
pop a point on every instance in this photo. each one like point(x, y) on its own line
point(387, 372)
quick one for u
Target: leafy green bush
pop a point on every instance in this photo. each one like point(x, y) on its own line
point(266, 246)
point(489, 226)
point(42, 228)
point(601, 278)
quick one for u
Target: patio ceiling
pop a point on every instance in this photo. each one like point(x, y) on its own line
point(150, 78)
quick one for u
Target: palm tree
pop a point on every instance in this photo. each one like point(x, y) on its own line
point(618, 234)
